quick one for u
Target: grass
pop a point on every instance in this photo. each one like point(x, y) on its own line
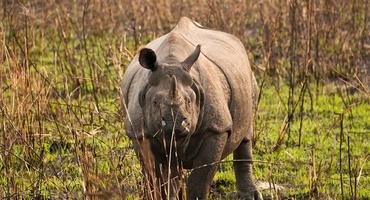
point(291, 166)
point(61, 124)
point(67, 159)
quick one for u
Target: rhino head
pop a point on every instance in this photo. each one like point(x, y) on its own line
point(172, 100)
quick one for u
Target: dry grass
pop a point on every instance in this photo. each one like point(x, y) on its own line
point(61, 131)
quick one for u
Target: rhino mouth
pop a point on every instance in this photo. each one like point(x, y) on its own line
point(180, 130)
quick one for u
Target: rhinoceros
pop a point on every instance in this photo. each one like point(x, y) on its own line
point(189, 98)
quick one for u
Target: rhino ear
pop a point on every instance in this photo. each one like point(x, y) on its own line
point(148, 59)
point(189, 61)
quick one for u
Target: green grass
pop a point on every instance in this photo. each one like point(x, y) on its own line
point(74, 154)
point(293, 167)
point(62, 146)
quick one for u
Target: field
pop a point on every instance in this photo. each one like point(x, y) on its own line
point(61, 122)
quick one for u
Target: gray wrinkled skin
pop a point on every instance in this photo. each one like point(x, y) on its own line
point(189, 97)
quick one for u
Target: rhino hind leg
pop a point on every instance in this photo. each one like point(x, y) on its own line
point(247, 189)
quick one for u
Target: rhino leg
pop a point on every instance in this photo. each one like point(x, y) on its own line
point(144, 152)
point(243, 172)
point(200, 179)
point(174, 189)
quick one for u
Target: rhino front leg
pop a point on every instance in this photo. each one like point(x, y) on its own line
point(174, 187)
point(247, 190)
point(200, 179)
point(144, 152)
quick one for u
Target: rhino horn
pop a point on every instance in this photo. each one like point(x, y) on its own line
point(173, 88)
point(189, 61)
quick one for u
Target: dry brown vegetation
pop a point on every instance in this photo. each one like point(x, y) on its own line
point(61, 130)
